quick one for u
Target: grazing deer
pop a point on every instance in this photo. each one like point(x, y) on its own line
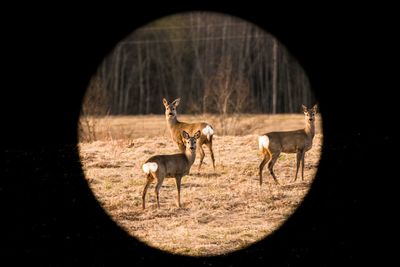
point(299, 141)
point(176, 127)
point(176, 165)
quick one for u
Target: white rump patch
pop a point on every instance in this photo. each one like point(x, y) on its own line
point(208, 131)
point(263, 142)
point(150, 167)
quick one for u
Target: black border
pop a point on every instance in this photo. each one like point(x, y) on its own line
point(52, 218)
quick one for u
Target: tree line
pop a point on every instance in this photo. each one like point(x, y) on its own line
point(215, 63)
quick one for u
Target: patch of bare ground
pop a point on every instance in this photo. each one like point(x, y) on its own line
point(222, 211)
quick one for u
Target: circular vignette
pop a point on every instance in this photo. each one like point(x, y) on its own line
point(227, 72)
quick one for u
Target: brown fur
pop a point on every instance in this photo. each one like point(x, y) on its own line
point(172, 166)
point(297, 141)
point(176, 127)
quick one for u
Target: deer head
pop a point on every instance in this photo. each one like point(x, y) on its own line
point(309, 113)
point(190, 142)
point(170, 109)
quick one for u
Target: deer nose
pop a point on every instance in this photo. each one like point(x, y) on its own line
point(170, 114)
point(192, 148)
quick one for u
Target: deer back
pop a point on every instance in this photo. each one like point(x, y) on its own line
point(191, 128)
point(289, 142)
point(171, 165)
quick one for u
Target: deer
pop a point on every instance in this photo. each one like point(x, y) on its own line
point(272, 144)
point(175, 128)
point(169, 166)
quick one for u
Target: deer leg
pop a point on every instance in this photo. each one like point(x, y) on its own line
point(209, 145)
point(299, 158)
point(178, 186)
point(202, 154)
point(267, 157)
point(271, 165)
point(149, 180)
point(158, 186)
point(302, 166)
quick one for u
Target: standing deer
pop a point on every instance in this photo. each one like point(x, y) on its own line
point(175, 165)
point(176, 127)
point(299, 141)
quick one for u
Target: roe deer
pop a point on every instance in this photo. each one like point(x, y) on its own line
point(176, 127)
point(175, 165)
point(299, 141)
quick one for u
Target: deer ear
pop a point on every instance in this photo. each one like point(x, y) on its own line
point(315, 108)
point(304, 108)
point(185, 135)
point(197, 135)
point(176, 102)
point(165, 102)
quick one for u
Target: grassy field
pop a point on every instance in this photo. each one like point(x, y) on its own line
point(221, 211)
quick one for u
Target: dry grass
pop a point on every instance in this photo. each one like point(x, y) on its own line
point(221, 211)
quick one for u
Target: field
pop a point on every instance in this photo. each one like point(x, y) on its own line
point(222, 210)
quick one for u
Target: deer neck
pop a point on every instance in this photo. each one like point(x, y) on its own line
point(172, 121)
point(310, 128)
point(190, 156)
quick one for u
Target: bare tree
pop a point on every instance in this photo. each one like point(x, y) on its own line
point(185, 55)
point(227, 92)
point(95, 103)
